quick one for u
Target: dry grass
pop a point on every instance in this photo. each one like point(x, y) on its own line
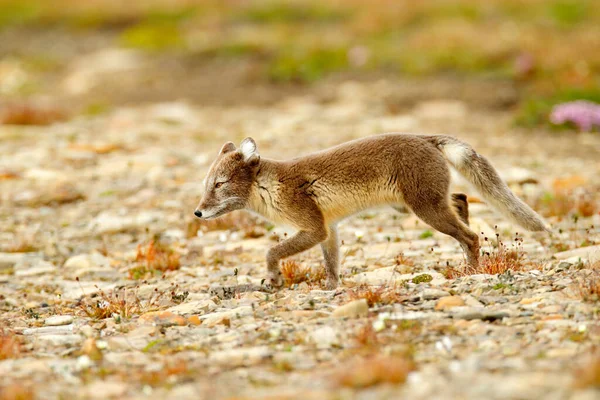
point(588, 288)
point(29, 114)
point(376, 370)
point(172, 372)
point(401, 259)
point(563, 204)
point(376, 296)
point(121, 304)
point(154, 258)
point(366, 336)
point(295, 273)
point(17, 391)
point(10, 345)
point(588, 376)
point(496, 260)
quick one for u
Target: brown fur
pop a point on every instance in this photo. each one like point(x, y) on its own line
point(313, 193)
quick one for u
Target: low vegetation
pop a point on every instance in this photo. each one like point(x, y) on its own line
point(10, 344)
point(121, 304)
point(588, 376)
point(295, 273)
point(588, 286)
point(362, 373)
point(154, 258)
point(31, 114)
point(497, 258)
point(384, 294)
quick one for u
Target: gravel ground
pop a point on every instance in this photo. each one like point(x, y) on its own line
point(110, 289)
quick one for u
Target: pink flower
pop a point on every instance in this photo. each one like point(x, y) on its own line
point(583, 114)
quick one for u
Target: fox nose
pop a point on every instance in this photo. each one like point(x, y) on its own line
point(198, 213)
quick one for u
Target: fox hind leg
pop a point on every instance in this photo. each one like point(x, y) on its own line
point(441, 217)
point(461, 206)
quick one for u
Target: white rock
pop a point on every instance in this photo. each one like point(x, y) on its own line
point(87, 261)
point(432, 294)
point(49, 330)
point(241, 357)
point(389, 275)
point(591, 253)
point(325, 337)
point(193, 307)
point(356, 308)
point(8, 260)
point(43, 267)
point(57, 320)
point(107, 222)
point(215, 318)
point(60, 340)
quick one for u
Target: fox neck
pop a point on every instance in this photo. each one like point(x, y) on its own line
point(264, 194)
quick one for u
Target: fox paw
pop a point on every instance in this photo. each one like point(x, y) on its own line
point(275, 280)
point(331, 284)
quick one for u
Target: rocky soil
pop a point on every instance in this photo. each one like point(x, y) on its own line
point(110, 289)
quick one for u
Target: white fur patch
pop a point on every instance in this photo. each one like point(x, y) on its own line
point(455, 153)
point(248, 148)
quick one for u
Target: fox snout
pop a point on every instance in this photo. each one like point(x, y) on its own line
point(198, 213)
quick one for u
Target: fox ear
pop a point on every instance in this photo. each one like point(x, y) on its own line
point(249, 151)
point(227, 147)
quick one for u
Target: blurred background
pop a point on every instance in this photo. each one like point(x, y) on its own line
point(65, 58)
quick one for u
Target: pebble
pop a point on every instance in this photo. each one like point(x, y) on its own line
point(353, 309)
point(591, 253)
point(240, 357)
point(162, 318)
point(58, 320)
point(448, 302)
point(433, 294)
point(482, 314)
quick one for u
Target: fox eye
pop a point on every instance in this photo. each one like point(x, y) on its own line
point(218, 184)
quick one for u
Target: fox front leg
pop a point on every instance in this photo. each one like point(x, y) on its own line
point(301, 241)
point(331, 254)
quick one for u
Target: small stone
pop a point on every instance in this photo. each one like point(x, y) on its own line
point(162, 318)
point(530, 300)
point(194, 320)
point(241, 357)
point(193, 307)
point(87, 331)
point(225, 317)
point(589, 252)
point(58, 320)
point(356, 308)
point(433, 294)
point(552, 309)
point(448, 302)
point(472, 301)
point(60, 340)
point(86, 261)
point(8, 260)
point(105, 389)
point(481, 314)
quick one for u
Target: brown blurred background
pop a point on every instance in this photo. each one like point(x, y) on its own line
point(85, 57)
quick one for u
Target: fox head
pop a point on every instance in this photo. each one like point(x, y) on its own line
point(229, 180)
